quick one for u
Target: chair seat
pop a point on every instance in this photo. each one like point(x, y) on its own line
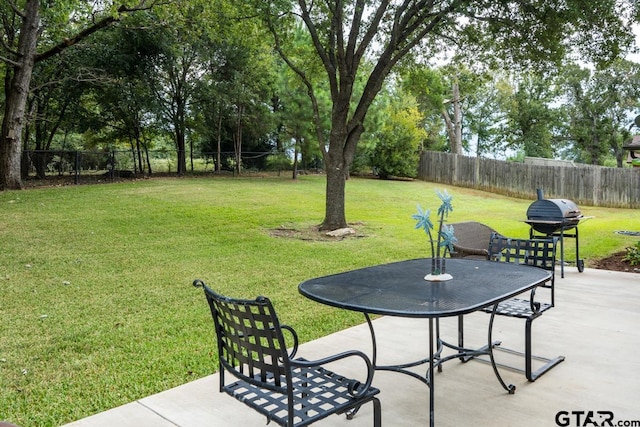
point(317, 393)
point(517, 307)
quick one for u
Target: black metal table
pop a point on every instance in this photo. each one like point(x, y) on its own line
point(399, 289)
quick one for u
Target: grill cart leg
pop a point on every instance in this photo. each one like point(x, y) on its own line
point(562, 252)
point(579, 262)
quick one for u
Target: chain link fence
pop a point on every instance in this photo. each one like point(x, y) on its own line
point(79, 167)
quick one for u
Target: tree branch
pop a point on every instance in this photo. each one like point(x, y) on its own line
point(8, 48)
point(9, 61)
point(103, 23)
point(15, 9)
point(328, 62)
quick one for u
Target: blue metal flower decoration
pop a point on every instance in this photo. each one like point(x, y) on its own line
point(446, 207)
point(445, 236)
point(448, 239)
point(423, 220)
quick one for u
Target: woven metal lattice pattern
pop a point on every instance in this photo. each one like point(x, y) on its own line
point(536, 252)
point(317, 393)
point(250, 341)
point(517, 307)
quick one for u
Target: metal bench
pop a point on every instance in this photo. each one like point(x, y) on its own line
point(288, 391)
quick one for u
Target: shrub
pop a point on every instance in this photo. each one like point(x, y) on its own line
point(633, 254)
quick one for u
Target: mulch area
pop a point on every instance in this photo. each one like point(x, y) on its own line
point(615, 263)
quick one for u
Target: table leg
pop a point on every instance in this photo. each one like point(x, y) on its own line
point(374, 344)
point(436, 360)
point(432, 378)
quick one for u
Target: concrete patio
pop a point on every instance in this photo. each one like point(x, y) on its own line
point(595, 325)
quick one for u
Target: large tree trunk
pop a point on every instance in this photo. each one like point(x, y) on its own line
point(338, 159)
point(334, 217)
point(16, 99)
point(457, 119)
point(454, 126)
point(219, 142)
point(181, 151)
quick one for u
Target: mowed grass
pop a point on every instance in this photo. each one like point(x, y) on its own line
point(96, 303)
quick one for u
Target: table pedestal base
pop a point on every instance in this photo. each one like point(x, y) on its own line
point(435, 360)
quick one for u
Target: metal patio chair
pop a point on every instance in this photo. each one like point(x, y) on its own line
point(535, 252)
point(288, 391)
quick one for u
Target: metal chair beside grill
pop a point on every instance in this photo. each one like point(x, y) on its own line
point(288, 391)
point(535, 252)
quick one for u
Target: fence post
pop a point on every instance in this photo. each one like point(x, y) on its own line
point(76, 167)
point(476, 172)
point(597, 185)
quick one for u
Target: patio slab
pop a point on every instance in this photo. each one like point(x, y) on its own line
point(595, 325)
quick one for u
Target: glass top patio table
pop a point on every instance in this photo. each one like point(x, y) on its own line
point(399, 289)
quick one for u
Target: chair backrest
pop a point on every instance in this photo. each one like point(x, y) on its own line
point(536, 252)
point(473, 239)
point(251, 345)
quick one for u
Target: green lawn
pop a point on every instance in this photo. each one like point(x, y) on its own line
point(96, 303)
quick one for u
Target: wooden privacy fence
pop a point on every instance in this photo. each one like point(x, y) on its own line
point(585, 185)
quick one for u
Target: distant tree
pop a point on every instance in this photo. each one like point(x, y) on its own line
point(484, 118)
point(234, 100)
point(530, 118)
point(25, 43)
point(124, 103)
point(398, 139)
point(431, 92)
point(449, 93)
point(599, 105)
point(54, 94)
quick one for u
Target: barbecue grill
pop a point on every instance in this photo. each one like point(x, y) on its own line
point(556, 217)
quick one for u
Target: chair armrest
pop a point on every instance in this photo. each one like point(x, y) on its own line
point(355, 387)
point(293, 333)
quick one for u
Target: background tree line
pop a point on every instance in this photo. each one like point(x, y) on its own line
point(235, 77)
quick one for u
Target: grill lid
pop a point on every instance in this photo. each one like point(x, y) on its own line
point(559, 210)
point(549, 211)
